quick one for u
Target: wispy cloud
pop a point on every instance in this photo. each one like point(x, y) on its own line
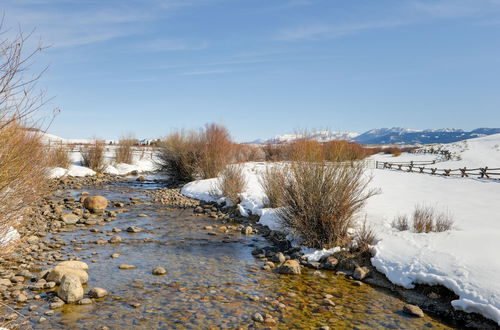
point(206, 72)
point(317, 32)
point(167, 45)
point(455, 8)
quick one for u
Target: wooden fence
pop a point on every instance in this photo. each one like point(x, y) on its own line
point(418, 167)
point(446, 155)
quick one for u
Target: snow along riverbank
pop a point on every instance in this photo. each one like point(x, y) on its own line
point(464, 259)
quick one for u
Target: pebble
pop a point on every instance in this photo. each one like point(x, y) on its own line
point(125, 266)
point(159, 271)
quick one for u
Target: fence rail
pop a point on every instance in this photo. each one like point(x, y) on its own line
point(416, 167)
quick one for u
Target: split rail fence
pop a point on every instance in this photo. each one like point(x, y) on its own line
point(420, 167)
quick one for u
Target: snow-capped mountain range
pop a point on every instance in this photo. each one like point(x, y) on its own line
point(394, 135)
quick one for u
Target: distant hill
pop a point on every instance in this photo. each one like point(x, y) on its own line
point(394, 135)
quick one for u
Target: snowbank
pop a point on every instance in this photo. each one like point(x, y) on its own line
point(140, 165)
point(464, 259)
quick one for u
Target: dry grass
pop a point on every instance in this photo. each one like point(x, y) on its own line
point(215, 150)
point(272, 181)
point(365, 238)
point(22, 173)
point(178, 156)
point(93, 155)
point(124, 151)
point(58, 156)
point(425, 219)
point(231, 183)
point(321, 201)
point(401, 223)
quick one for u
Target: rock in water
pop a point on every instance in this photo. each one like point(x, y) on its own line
point(98, 293)
point(57, 273)
point(69, 218)
point(360, 273)
point(159, 271)
point(95, 204)
point(71, 289)
point(74, 264)
point(289, 267)
point(413, 310)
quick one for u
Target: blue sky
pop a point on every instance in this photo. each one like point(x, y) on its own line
point(265, 67)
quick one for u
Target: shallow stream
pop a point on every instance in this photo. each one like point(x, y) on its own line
point(211, 281)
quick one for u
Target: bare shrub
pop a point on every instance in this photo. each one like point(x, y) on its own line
point(178, 155)
point(423, 219)
point(274, 152)
point(272, 181)
point(365, 237)
point(93, 155)
point(215, 150)
point(443, 222)
point(321, 200)
point(401, 223)
point(247, 153)
point(22, 173)
point(58, 156)
point(124, 151)
point(22, 154)
point(231, 182)
point(342, 151)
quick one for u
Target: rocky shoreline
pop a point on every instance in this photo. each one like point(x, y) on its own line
point(22, 278)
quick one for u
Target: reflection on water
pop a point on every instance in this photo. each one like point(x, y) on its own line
point(212, 281)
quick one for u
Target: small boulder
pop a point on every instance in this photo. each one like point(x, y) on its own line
point(69, 218)
point(159, 271)
point(134, 229)
point(115, 239)
point(71, 289)
point(95, 204)
point(360, 273)
point(248, 230)
point(98, 293)
point(289, 267)
point(57, 273)
point(74, 264)
point(413, 310)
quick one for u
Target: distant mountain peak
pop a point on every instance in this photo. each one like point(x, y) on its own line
point(393, 135)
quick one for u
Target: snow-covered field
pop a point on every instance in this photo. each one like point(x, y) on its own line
point(464, 259)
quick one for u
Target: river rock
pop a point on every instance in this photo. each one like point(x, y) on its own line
point(85, 301)
point(69, 218)
point(360, 273)
point(159, 271)
point(71, 289)
point(248, 230)
point(98, 293)
point(134, 229)
point(125, 266)
point(115, 239)
point(95, 204)
point(413, 310)
point(57, 273)
point(74, 264)
point(289, 267)
point(279, 258)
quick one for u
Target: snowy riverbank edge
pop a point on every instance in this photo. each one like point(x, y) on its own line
point(462, 260)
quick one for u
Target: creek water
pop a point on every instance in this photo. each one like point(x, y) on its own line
point(211, 281)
